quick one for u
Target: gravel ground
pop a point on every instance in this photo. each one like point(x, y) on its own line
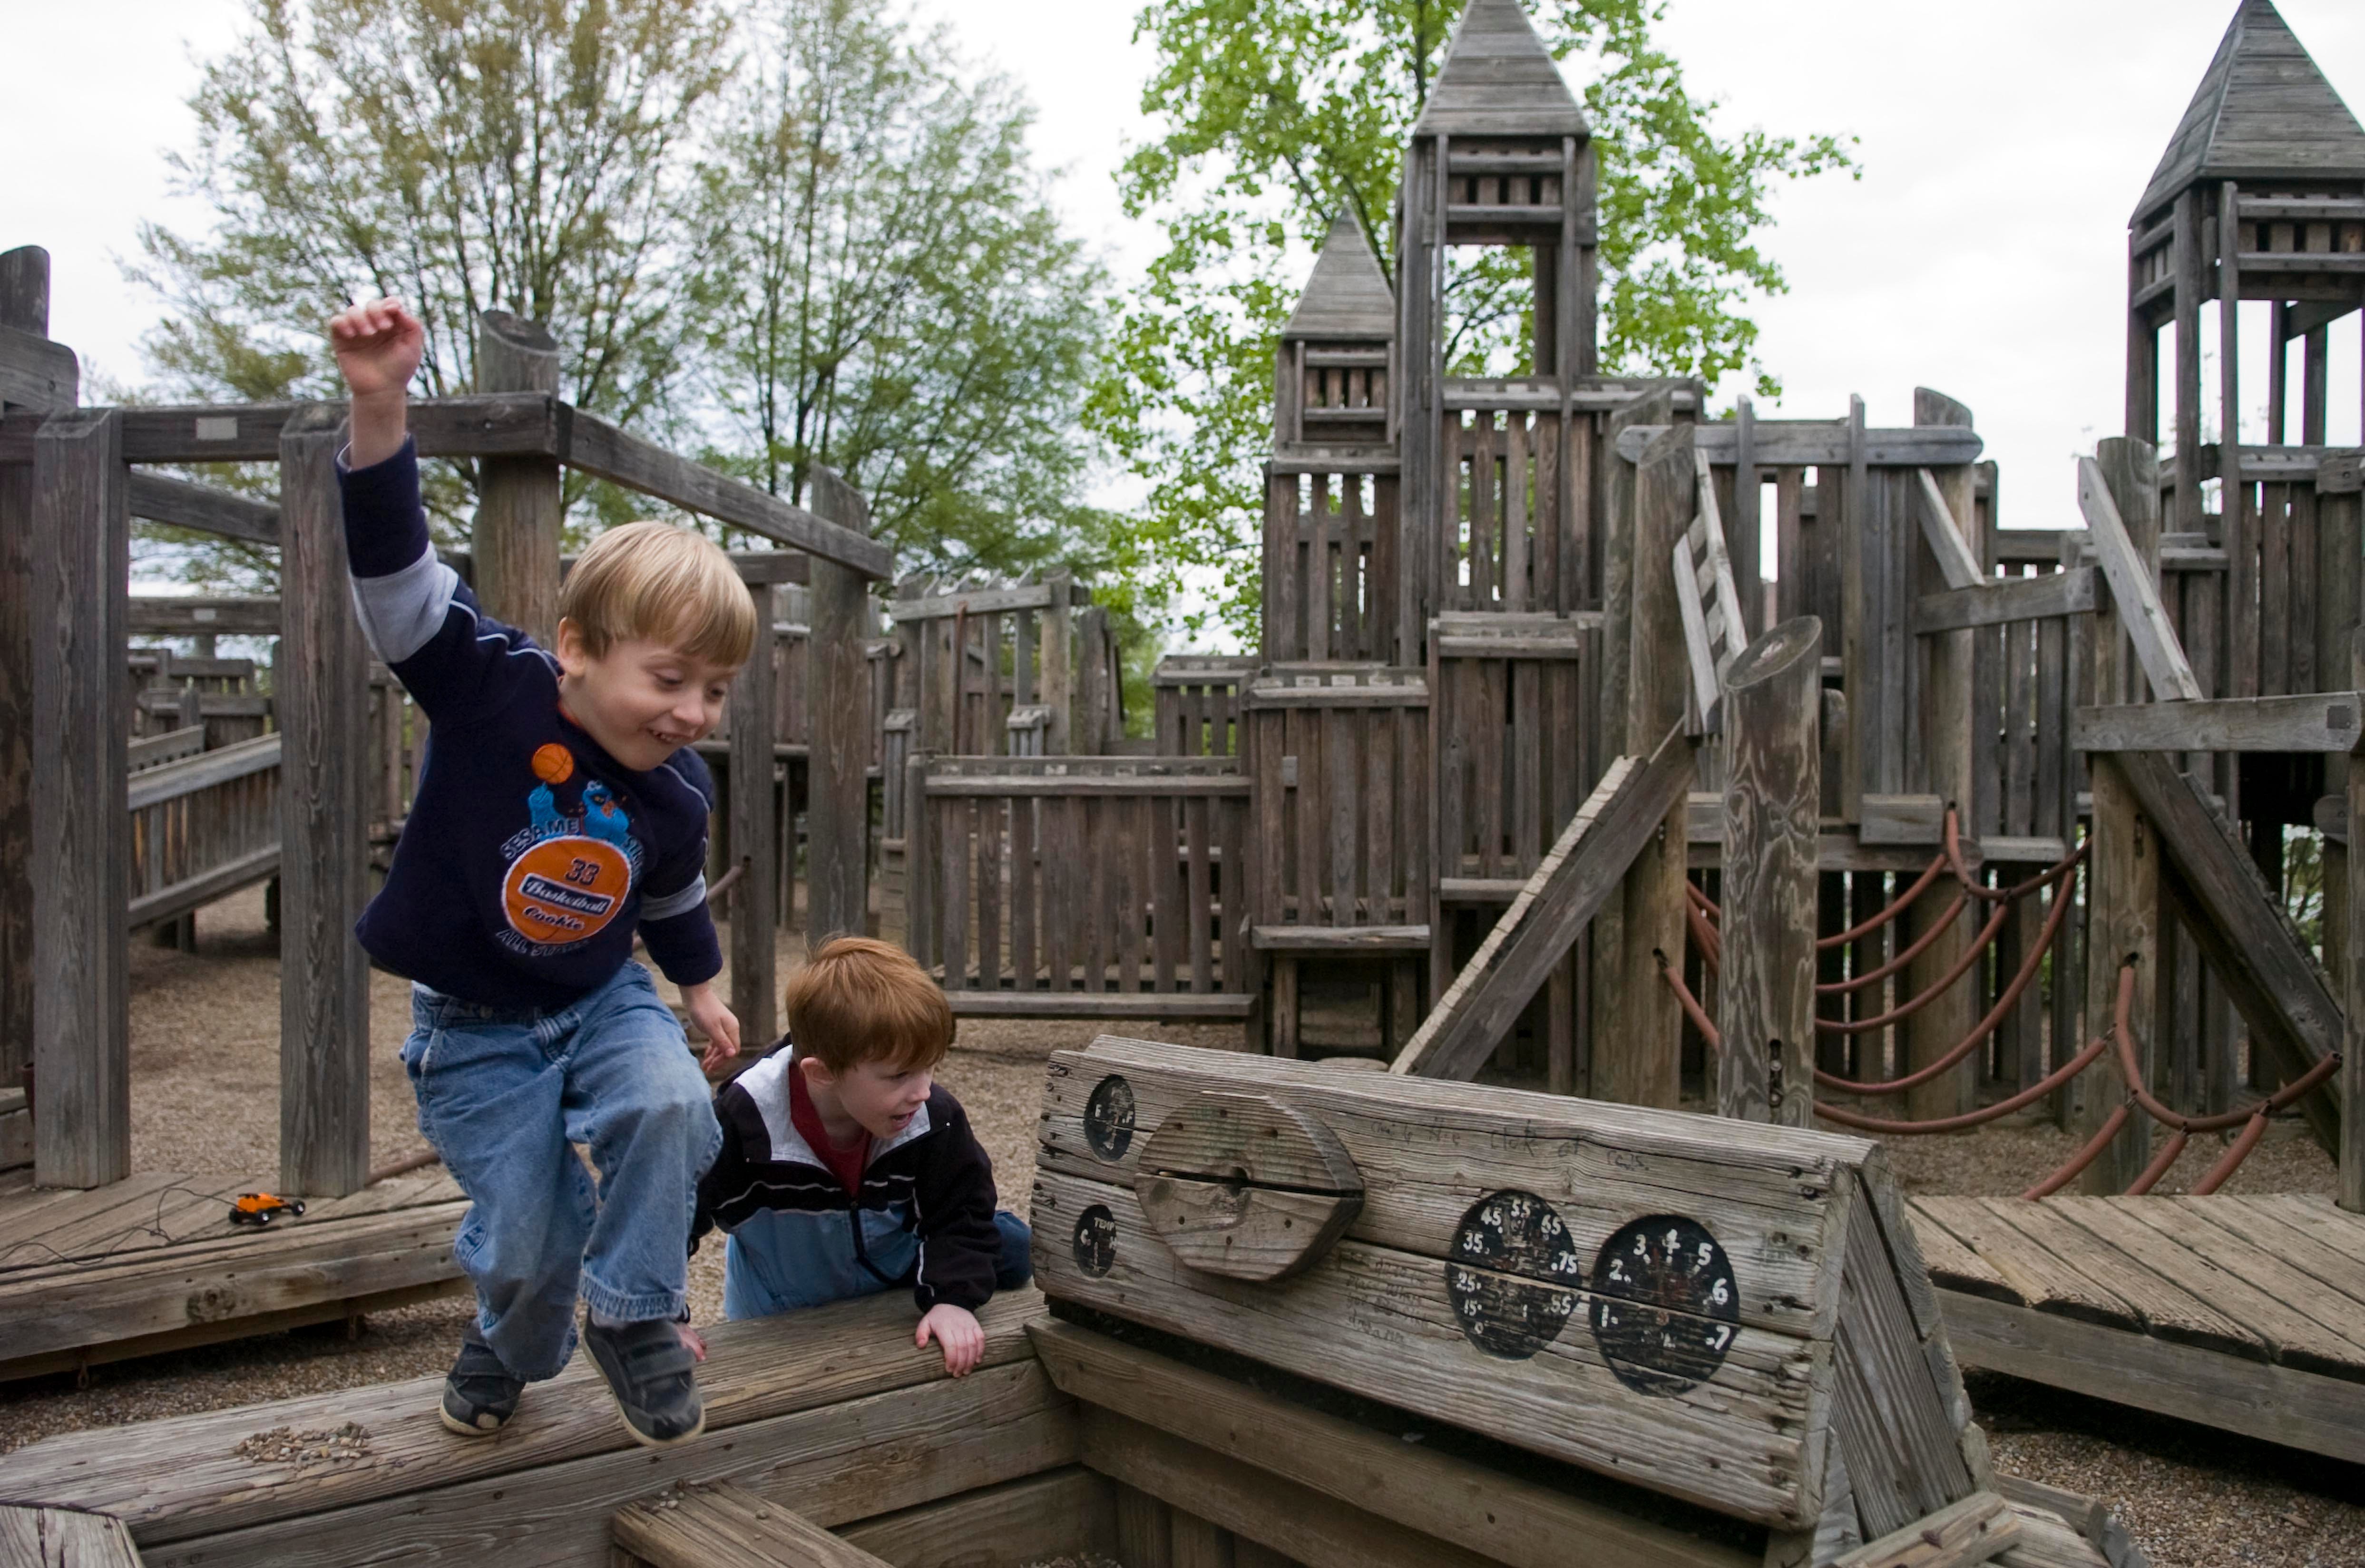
point(205, 1098)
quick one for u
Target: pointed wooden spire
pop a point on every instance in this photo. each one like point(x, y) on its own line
point(2263, 112)
point(1498, 80)
point(1347, 297)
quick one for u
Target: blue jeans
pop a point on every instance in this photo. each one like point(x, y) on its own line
point(768, 1270)
point(502, 1094)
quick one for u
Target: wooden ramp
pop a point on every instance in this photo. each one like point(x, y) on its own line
point(152, 1263)
point(2246, 1314)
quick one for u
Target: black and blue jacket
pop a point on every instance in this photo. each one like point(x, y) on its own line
point(531, 857)
point(923, 1216)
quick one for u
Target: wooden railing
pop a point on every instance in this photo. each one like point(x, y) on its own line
point(202, 825)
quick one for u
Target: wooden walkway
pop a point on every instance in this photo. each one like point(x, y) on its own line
point(152, 1263)
point(2246, 1314)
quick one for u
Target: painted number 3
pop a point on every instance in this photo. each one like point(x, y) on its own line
point(583, 873)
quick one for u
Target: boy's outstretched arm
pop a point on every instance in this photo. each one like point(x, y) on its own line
point(378, 346)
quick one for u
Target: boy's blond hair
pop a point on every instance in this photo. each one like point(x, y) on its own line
point(861, 999)
point(655, 582)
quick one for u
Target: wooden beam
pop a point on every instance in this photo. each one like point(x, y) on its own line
point(2008, 599)
point(990, 601)
point(178, 503)
point(485, 425)
point(157, 615)
point(520, 507)
point(1773, 802)
point(1941, 531)
point(59, 1537)
point(1584, 868)
point(838, 800)
point(1061, 1513)
point(1310, 1528)
point(36, 372)
point(2313, 722)
point(723, 1525)
point(1792, 443)
point(605, 450)
point(1976, 1529)
point(1496, 1515)
point(24, 304)
point(2250, 945)
point(756, 848)
point(81, 831)
point(321, 676)
point(1159, 1006)
point(2352, 965)
point(2145, 621)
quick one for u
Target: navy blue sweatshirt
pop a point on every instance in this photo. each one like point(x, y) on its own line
point(530, 855)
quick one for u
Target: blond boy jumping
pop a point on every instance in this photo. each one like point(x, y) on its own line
point(561, 813)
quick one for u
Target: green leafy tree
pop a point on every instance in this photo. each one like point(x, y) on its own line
point(1276, 114)
point(531, 155)
point(887, 291)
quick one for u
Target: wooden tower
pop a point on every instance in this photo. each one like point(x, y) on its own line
point(1501, 155)
point(2260, 196)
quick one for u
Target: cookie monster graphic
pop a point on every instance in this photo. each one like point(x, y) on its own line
point(569, 874)
point(603, 818)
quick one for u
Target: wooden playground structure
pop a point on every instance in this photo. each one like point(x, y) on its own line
point(1653, 763)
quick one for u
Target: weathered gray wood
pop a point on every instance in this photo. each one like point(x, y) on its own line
point(1977, 1530)
point(2243, 931)
point(482, 425)
point(520, 507)
point(204, 770)
point(1246, 1187)
point(2141, 614)
point(723, 1525)
point(1814, 444)
point(989, 601)
point(1056, 1513)
point(2315, 722)
point(1583, 870)
point(2352, 971)
point(202, 615)
point(36, 372)
point(754, 839)
point(1773, 804)
point(160, 499)
point(24, 304)
point(605, 452)
point(837, 799)
point(81, 834)
point(323, 675)
point(1499, 1516)
point(2013, 598)
point(59, 1537)
point(1944, 534)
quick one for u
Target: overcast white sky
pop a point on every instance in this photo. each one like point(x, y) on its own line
point(1983, 251)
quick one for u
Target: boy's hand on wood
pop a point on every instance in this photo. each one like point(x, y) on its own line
point(378, 346)
point(716, 1022)
point(956, 1330)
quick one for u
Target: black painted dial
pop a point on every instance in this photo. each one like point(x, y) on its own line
point(1515, 1278)
point(1665, 1304)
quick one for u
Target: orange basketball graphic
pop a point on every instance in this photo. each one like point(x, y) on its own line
point(553, 764)
point(564, 891)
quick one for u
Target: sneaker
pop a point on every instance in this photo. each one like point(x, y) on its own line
point(479, 1393)
point(652, 1376)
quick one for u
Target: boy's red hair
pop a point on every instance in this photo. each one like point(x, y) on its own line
point(861, 999)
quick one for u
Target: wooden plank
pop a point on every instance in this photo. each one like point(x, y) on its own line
point(1171, 786)
point(60, 1537)
point(1976, 1529)
point(2279, 1405)
point(1367, 1314)
point(2047, 1282)
point(721, 1525)
point(1497, 1516)
point(754, 828)
point(1176, 1007)
point(153, 615)
point(2303, 1235)
point(182, 1480)
point(520, 505)
point(1820, 443)
point(2138, 598)
point(480, 425)
point(2310, 722)
point(36, 372)
point(1896, 1426)
point(1062, 1513)
point(837, 788)
point(2116, 1250)
point(323, 671)
point(989, 601)
point(24, 304)
point(205, 508)
point(1584, 868)
point(1308, 1527)
point(1945, 535)
point(2013, 599)
point(80, 844)
point(2244, 933)
point(1954, 1266)
point(603, 450)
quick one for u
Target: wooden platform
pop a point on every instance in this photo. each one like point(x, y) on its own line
point(2246, 1314)
point(152, 1263)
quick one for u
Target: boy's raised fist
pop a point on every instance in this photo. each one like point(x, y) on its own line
point(378, 346)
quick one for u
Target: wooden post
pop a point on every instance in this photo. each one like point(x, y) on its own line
point(754, 834)
point(2122, 901)
point(81, 851)
point(1058, 664)
point(1773, 821)
point(838, 800)
point(1091, 730)
point(2186, 513)
point(1947, 748)
point(520, 506)
point(323, 682)
point(1638, 1057)
point(25, 306)
point(2352, 1056)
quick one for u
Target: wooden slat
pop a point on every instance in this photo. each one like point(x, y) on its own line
point(1062, 1513)
point(2116, 1251)
point(721, 1525)
point(1585, 865)
point(1497, 1516)
point(837, 786)
point(1976, 1529)
point(1820, 443)
point(2047, 1282)
point(2140, 611)
point(1943, 534)
point(1954, 1266)
point(59, 1537)
point(2013, 598)
point(2310, 722)
point(178, 502)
